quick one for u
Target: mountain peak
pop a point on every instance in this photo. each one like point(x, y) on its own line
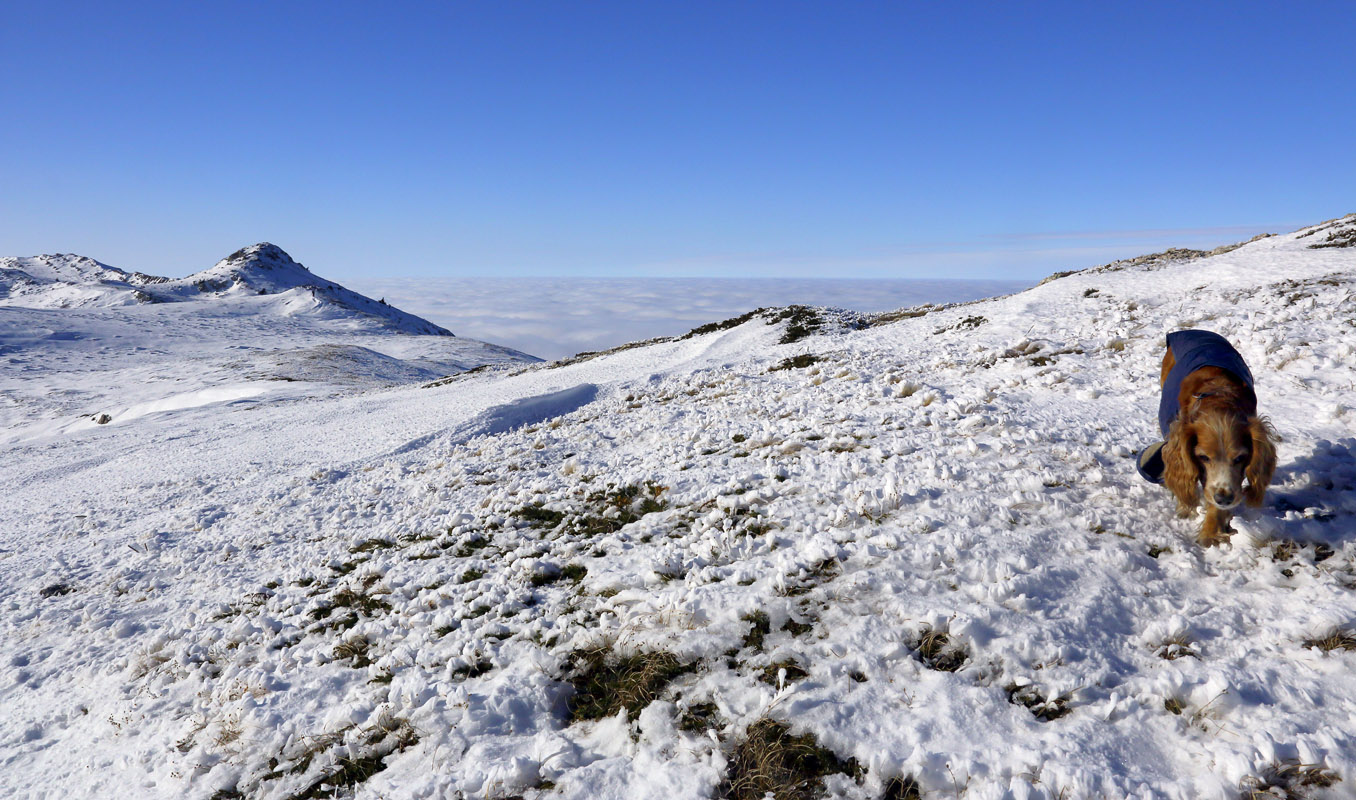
point(264, 254)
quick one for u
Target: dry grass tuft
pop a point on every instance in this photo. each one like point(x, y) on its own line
point(770, 761)
point(784, 672)
point(1287, 780)
point(759, 627)
point(936, 650)
point(605, 683)
point(902, 788)
point(358, 764)
point(795, 362)
point(1176, 647)
point(1044, 708)
point(355, 649)
point(700, 718)
point(1335, 639)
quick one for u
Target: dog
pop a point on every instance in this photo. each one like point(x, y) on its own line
point(1213, 437)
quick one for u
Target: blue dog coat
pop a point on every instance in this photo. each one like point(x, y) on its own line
point(1192, 349)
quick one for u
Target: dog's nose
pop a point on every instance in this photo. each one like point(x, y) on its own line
point(1224, 498)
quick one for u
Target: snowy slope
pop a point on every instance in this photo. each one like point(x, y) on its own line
point(80, 339)
point(916, 539)
point(261, 278)
point(64, 281)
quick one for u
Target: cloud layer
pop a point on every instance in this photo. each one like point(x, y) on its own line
point(557, 317)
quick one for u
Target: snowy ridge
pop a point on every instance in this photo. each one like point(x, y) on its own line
point(261, 270)
point(920, 543)
point(65, 280)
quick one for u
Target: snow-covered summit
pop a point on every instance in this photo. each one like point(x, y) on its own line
point(262, 268)
point(265, 271)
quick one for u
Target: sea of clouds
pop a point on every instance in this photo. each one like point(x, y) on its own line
point(557, 317)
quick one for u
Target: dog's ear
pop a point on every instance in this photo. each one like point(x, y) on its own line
point(1263, 463)
point(1180, 473)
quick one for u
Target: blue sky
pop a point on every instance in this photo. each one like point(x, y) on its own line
point(879, 140)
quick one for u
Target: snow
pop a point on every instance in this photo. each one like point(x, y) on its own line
point(238, 595)
point(261, 278)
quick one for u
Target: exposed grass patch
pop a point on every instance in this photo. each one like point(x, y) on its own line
point(572, 572)
point(1287, 780)
point(354, 768)
point(723, 325)
point(700, 718)
point(787, 670)
point(820, 572)
point(371, 545)
point(467, 548)
point(903, 787)
point(1343, 237)
point(474, 670)
point(801, 321)
point(350, 605)
point(355, 649)
point(471, 575)
point(1283, 550)
point(1176, 647)
point(797, 628)
point(56, 590)
point(913, 312)
point(1173, 705)
point(368, 604)
point(1336, 639)
point(770, 761)
point(969, 323)
point(540, 515)
point(671, 574)
point(936, 650)
point(796, 362)
point(1043, 708)
point(759, 627)
point(605, 683)
point(617, 507)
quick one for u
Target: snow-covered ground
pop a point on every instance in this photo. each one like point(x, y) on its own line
point(919, 543)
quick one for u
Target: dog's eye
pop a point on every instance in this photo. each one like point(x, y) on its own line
point(1239, 459)
point(1203, 457)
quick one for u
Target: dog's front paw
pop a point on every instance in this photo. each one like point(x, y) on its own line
point(1211, 539)
point(1215, 531)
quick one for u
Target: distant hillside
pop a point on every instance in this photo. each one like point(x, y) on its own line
point(261, 278)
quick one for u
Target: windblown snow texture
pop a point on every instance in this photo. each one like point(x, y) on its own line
point(921, 543)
